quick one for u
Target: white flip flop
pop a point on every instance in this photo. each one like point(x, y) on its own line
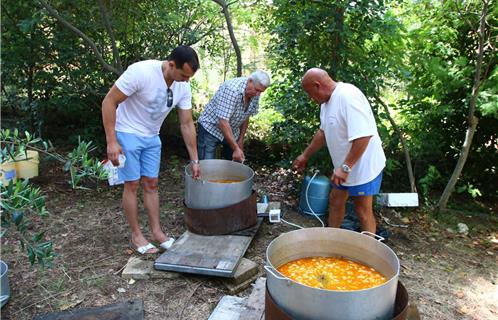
point(167, 244)
point(143, 249)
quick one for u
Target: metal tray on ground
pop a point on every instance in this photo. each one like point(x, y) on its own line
point(207, 255)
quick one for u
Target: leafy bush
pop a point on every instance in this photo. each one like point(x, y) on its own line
point(22, 201)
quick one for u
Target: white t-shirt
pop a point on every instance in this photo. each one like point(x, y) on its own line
point(345, 117)
point(146, 107)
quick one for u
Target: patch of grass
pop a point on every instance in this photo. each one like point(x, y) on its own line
point(477, 222)
point(96, 282)
point(54, 285)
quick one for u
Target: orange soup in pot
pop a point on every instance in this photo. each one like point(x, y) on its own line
point(332, 273)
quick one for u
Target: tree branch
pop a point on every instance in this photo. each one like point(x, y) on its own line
point(408, 160)
point(107, 24)
point(75, 30)
point(228, 19)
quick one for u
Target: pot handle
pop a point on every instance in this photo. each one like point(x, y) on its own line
point(4, 298)
point(272, 270)
point(376, 236)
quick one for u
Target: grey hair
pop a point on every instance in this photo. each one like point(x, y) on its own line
point(260, 77)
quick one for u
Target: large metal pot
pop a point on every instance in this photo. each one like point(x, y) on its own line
point(304, 302)
point(205, 194)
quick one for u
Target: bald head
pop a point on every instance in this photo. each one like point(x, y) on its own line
point(318, 85)
point(315, 74)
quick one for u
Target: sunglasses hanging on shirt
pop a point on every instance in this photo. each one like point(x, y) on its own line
point(170, 98)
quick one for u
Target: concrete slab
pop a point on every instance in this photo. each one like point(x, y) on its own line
point(229, 308)
point(246, 270)
point(236, 288)
point(137, 269)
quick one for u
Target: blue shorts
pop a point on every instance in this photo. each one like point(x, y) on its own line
point(366, 189)
point(143, 156)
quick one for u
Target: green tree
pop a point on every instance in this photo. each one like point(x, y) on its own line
point(59, 58)
point(355, 41)
point(450, 83)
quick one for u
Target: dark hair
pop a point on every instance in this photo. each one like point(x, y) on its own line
point(184, 54)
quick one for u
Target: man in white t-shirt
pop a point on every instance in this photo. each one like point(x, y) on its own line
point(133, 111)
point(347, 127)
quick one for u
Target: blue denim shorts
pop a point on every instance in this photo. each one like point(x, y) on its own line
point(143, 156)
point(366, 189)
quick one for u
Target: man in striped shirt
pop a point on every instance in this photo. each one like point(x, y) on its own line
point(226, 116)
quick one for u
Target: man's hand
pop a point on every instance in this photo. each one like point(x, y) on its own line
point(339, 177)
point(196, 171)
point(113, 152)
point(300, 163)
point(238, 155)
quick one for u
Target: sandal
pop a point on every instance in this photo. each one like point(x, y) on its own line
point(167, 244)
point(143, 249)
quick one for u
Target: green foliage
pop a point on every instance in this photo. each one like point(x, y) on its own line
point(15, 146)
point(432, 178)
point(357, 42)
point(470, 189)
point(261, 125)
point(441, 64)
point(81, 166)
point(21, 201)
point(51, 78)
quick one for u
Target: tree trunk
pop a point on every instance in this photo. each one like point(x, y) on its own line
point(339, 22)
point(408, 160)
point(472, 120)
point(224, 7)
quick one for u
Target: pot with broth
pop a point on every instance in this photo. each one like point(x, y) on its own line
point(223, 183)
point(330, 273)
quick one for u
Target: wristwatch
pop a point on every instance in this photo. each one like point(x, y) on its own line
point(194, 161)
point(345, 168)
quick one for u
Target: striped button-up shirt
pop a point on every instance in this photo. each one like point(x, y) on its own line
point(228, 104)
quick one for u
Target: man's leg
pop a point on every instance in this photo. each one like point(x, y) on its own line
point(206, 144)
point(337, 207)
point(131, 212)
point(132, 147)
point(151, 204)
point(149, 170)
point(364, 210)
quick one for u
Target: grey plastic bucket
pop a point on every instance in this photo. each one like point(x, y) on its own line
point(4, 283)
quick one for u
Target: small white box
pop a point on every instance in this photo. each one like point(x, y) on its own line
point(398, 199)
point(274, 215)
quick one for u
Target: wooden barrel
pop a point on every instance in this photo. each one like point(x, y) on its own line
point(221, 221)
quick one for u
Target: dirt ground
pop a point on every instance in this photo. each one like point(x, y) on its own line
point(448, 275)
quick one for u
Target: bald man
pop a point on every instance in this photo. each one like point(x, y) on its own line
point(347, 127)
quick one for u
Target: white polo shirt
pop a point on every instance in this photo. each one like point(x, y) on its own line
point(146, 107)
point(345, 117)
